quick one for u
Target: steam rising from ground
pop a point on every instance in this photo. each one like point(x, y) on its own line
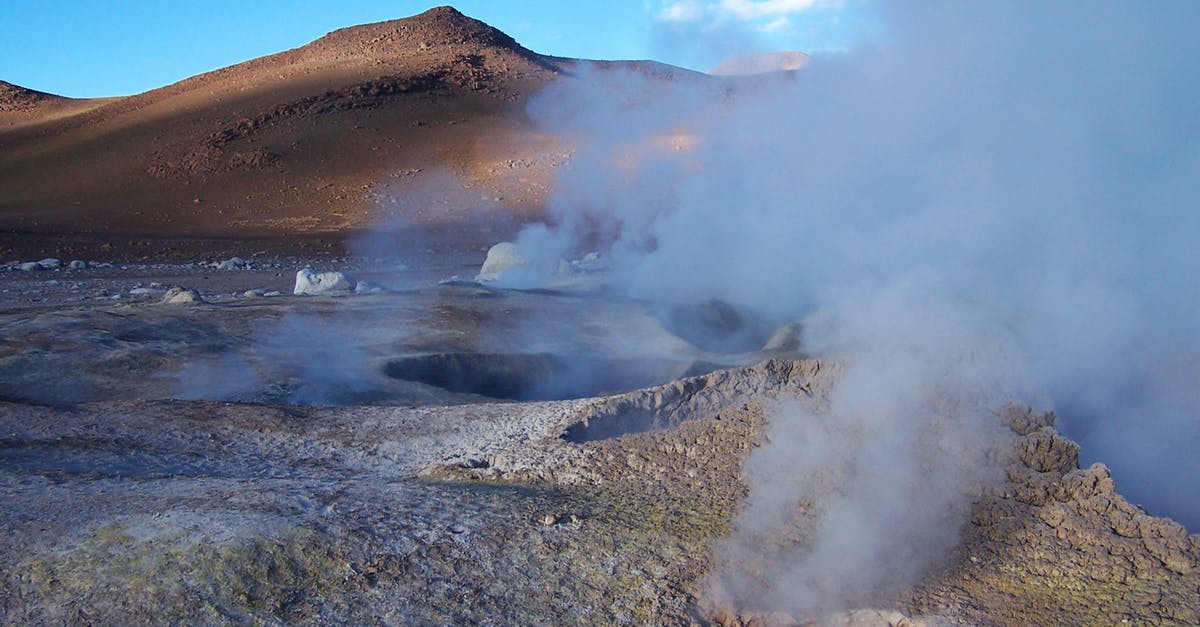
point(997, 201)
point(304, 357)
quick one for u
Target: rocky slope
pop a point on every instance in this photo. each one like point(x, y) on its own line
point(14, 98)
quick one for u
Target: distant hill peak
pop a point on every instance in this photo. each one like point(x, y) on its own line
point(436, 27)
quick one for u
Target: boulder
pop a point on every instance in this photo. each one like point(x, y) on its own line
point(500, 259)
point(50, 263)
point(79, 264)
point(237, 263)
point(181, 296)
point(309, 282)
point(367, 287)
point(29, 266)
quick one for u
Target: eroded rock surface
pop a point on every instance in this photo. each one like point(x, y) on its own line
point(573, 512)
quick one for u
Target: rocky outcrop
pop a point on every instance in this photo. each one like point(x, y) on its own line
point(1057, 544)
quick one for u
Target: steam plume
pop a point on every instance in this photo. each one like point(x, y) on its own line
point(996, 201)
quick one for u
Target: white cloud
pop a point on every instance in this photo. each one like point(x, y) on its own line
point(770, 9)
point(768, 15)
point(682, 11)
point(777, 25)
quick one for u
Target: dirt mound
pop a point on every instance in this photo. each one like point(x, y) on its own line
point(1058, 544)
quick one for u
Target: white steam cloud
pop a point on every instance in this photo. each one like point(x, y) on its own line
point(998, 201)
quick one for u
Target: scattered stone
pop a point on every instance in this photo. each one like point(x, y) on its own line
point(141, 291)
point(29, 266)
point(458, 528)
point(366, 287)
point(78, 264)
point(181, 296)
point(312, 283)
point(559, 519)
point(272, 293)
point(237, 263)
point(254, 293)
point(50, 263)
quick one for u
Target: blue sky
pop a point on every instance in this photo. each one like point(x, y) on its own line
point(85, 48)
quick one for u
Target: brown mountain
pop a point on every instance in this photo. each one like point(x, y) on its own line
point(324, 138)
point(14, 99)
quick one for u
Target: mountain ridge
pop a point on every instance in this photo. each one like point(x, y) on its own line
point(419, 121)
point(312, 139)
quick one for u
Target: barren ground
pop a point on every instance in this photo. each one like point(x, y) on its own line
point(307, 481)
point(437, 452)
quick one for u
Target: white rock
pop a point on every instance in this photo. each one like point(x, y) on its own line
point(591, 262)
point(29, 266)
point(255, 293)
point(367, 287)
point(500, 259)
point(79, 264)
point(50, 263)
point(181, 296)
point(310, 282)
point(141, 291)
point(237, 263)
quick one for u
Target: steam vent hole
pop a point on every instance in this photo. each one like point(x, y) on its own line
point(624, 420)
point(532, 376)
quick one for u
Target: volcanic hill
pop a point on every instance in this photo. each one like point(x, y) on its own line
point(319, 139)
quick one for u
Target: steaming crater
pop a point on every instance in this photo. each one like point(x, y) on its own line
point(447, 344)
point(538, 376)
point(718, 326)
